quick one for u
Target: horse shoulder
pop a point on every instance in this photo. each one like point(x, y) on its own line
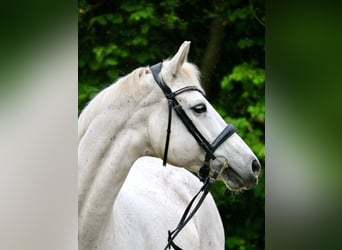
point(152, 201)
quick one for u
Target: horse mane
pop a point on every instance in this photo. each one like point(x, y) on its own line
point(191, 69)
point(106, 96)
point(188, 70)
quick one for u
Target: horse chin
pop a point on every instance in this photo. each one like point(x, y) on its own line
point(233, 180)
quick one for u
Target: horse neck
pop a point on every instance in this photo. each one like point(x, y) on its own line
point(112, 137)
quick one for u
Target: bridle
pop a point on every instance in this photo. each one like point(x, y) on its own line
point(209, 148)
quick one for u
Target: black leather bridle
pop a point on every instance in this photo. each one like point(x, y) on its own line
point(209, 148)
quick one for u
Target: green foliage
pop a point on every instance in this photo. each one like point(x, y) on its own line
point(116, 37)
point(239, 14)
point(251, 81)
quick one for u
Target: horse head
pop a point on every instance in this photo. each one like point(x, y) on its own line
point(213, 144)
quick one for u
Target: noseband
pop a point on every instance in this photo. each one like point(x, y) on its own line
point(209, 148)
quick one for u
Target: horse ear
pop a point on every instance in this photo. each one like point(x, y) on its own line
point(181, 56)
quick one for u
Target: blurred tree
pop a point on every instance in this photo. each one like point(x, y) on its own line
point(228, 43)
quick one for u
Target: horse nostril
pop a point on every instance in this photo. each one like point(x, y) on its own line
point(256, 167)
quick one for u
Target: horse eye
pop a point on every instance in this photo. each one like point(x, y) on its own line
point(200, 108)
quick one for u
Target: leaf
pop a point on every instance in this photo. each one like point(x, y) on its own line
point(101, 20)
point(144, 13)
point(239, 13)
point(245, 43)
point(111, 62)
point(115, 18)
point(257, 111)
point(226, 83)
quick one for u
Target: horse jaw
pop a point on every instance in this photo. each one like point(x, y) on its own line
point(238, 175)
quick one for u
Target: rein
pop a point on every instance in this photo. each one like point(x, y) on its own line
point(209, 148)
point(185, 218)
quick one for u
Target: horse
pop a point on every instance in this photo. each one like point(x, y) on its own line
point(128, 120)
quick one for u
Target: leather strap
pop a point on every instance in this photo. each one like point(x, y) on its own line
point(186, 216)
